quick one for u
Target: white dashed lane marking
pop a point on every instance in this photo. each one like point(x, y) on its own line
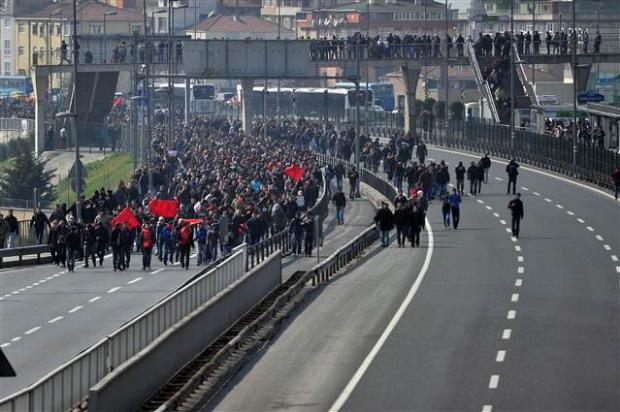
point(495, 214)
point(590, 229)
point(75, 309)
point(4, 345)
point(524, 188)
point(157, 271)
point(518, 282)
point(606, 247)
point(16, 338)
point(95, 299)
point(580, 220)
point(33, 330)
point(511, 314)
point(559, 206)
point(618, 269)
point(548, 200)
point(501, 355)
point(503, 222)
point(114, 289)
point(480, 201)
point(494, 381)
point(487, 408)
point(506, 334)
point(509, 230)
point(134, 281)
point(614, 258)
point(520, 269)
point(599, 237)
point(499, 179)
point(568, 212)
point(536, 194)
point(56, 319)
point(514, 297)
point(520, 259)
point(517, 248)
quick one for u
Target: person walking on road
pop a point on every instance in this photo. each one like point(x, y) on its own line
point(13, 229)
point(339, 172)
point(455, 208)
point(89, 242)
point(4, 230)
point(416, 223)
point(460, 171)
point(421, 152)
point(340, 201)
point(615, 175)
point(401, 220)
point(186, 241)
point(74, 244)
point(516, 208)
point(472, 176)
point(146, 242)
point(353, 177)
point(445, 211)
point(201, 240)
point(385, 221)
point(101, 241)
point(39, 221)
point(513, 172)
point(485, 162)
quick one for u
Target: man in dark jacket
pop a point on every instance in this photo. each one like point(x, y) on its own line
point(460, 171)
point(74, 245)
point(421, 152)
point(513, 172)
point(13, 229)
point(39, 221)
point(353, 177)
point(416, 223)
point(296, 232)
point(385, 221)
point(340, 201)
point(516, 209)
point(308, 225)
point(485, 162)
point(472, 176)
point(401, 219)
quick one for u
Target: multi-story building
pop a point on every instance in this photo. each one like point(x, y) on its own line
point(238, 7)
point(39, 33)
point(381, 17)
point(187, 13)
point(287, 12)
point(8, 49)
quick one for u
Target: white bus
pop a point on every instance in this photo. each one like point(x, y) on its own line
point(201, 97)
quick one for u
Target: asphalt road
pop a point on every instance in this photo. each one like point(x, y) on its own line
point(494, 324)
point(48, 316)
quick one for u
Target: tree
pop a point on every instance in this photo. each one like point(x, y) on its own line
point(25, 173)
point(457, 111)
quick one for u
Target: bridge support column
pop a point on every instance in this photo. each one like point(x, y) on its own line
point(246, 110)
point(410, 78)
point(40, 84)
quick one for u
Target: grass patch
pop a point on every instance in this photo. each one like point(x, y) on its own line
point(101, 173)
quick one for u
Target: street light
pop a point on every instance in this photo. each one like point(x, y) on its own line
point(78, 172)
point(134, 101)
point(356, 80)
point(171, 64)
point(105, 34)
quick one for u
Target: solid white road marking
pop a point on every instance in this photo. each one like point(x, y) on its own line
point(16, 338)
point(33, 330)
point(568, 212)
point(495, 214)
point(494, 381)
point(501, 355)
point(518, 282)
point(606, 247)
point(134, 281)
point(559, 206)
point(511, 314)
point(502, 221)
point(590, 228)
point(614, 258)
point(75, 309)
point(157, 271)
point(514, 297)
point(114, 289)
point(56, 319)
point(95, 299)
point(580, 220)
point(506, 334)
point(520, 269)
point(599, 237)
point(4, 345)
point(524, 188)
point(487, 408)
point(520, 259)
point(517, 248)
point(359, 373)
point(548, 200)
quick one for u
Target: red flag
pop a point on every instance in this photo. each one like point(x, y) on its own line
point(165, 208)
point(192, 221)
point(126, 217)
point(294, 172)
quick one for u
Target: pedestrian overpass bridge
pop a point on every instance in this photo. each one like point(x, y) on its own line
point(250, 60)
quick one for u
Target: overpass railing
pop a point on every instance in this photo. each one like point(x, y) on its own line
point(70, 383)
point(11, 123)
point(340, 50)
point(583, 161)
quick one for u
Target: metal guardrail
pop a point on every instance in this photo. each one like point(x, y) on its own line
point(282, 240)
point(20, 252)
point(70, 383)
point(13, 123)
point(528, 87)
point(483, 85)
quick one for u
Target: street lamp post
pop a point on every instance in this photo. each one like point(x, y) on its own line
point(512, 76)
point(574, 64)
point(105, 35)
point(445, 70)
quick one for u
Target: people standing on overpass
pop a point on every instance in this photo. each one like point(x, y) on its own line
point(421, 152)
point(38, 221)
point(460, 171)
point(485, 162)
point(13, 229)
point(146, 242)
point(512, 169)
point(384, 219)
point(340, 201)
point(455, 208)
point(401, 220)
point(516, 209)
point(4, 231)
point(615, 175)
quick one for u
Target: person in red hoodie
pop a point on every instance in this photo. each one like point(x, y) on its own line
point(147, 241)
point(186, 241)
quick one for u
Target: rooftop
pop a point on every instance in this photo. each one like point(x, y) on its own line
point(89, 10)
point(378, 6)
point(243, 24)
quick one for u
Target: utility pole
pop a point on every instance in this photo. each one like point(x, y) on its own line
point(367, 64)
point(357, 120)
point(445, 71)
point(512, 75)
point(147, 96)
point(78, 170)
point(574, 64)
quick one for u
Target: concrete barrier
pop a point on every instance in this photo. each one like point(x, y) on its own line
point(131, 384)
